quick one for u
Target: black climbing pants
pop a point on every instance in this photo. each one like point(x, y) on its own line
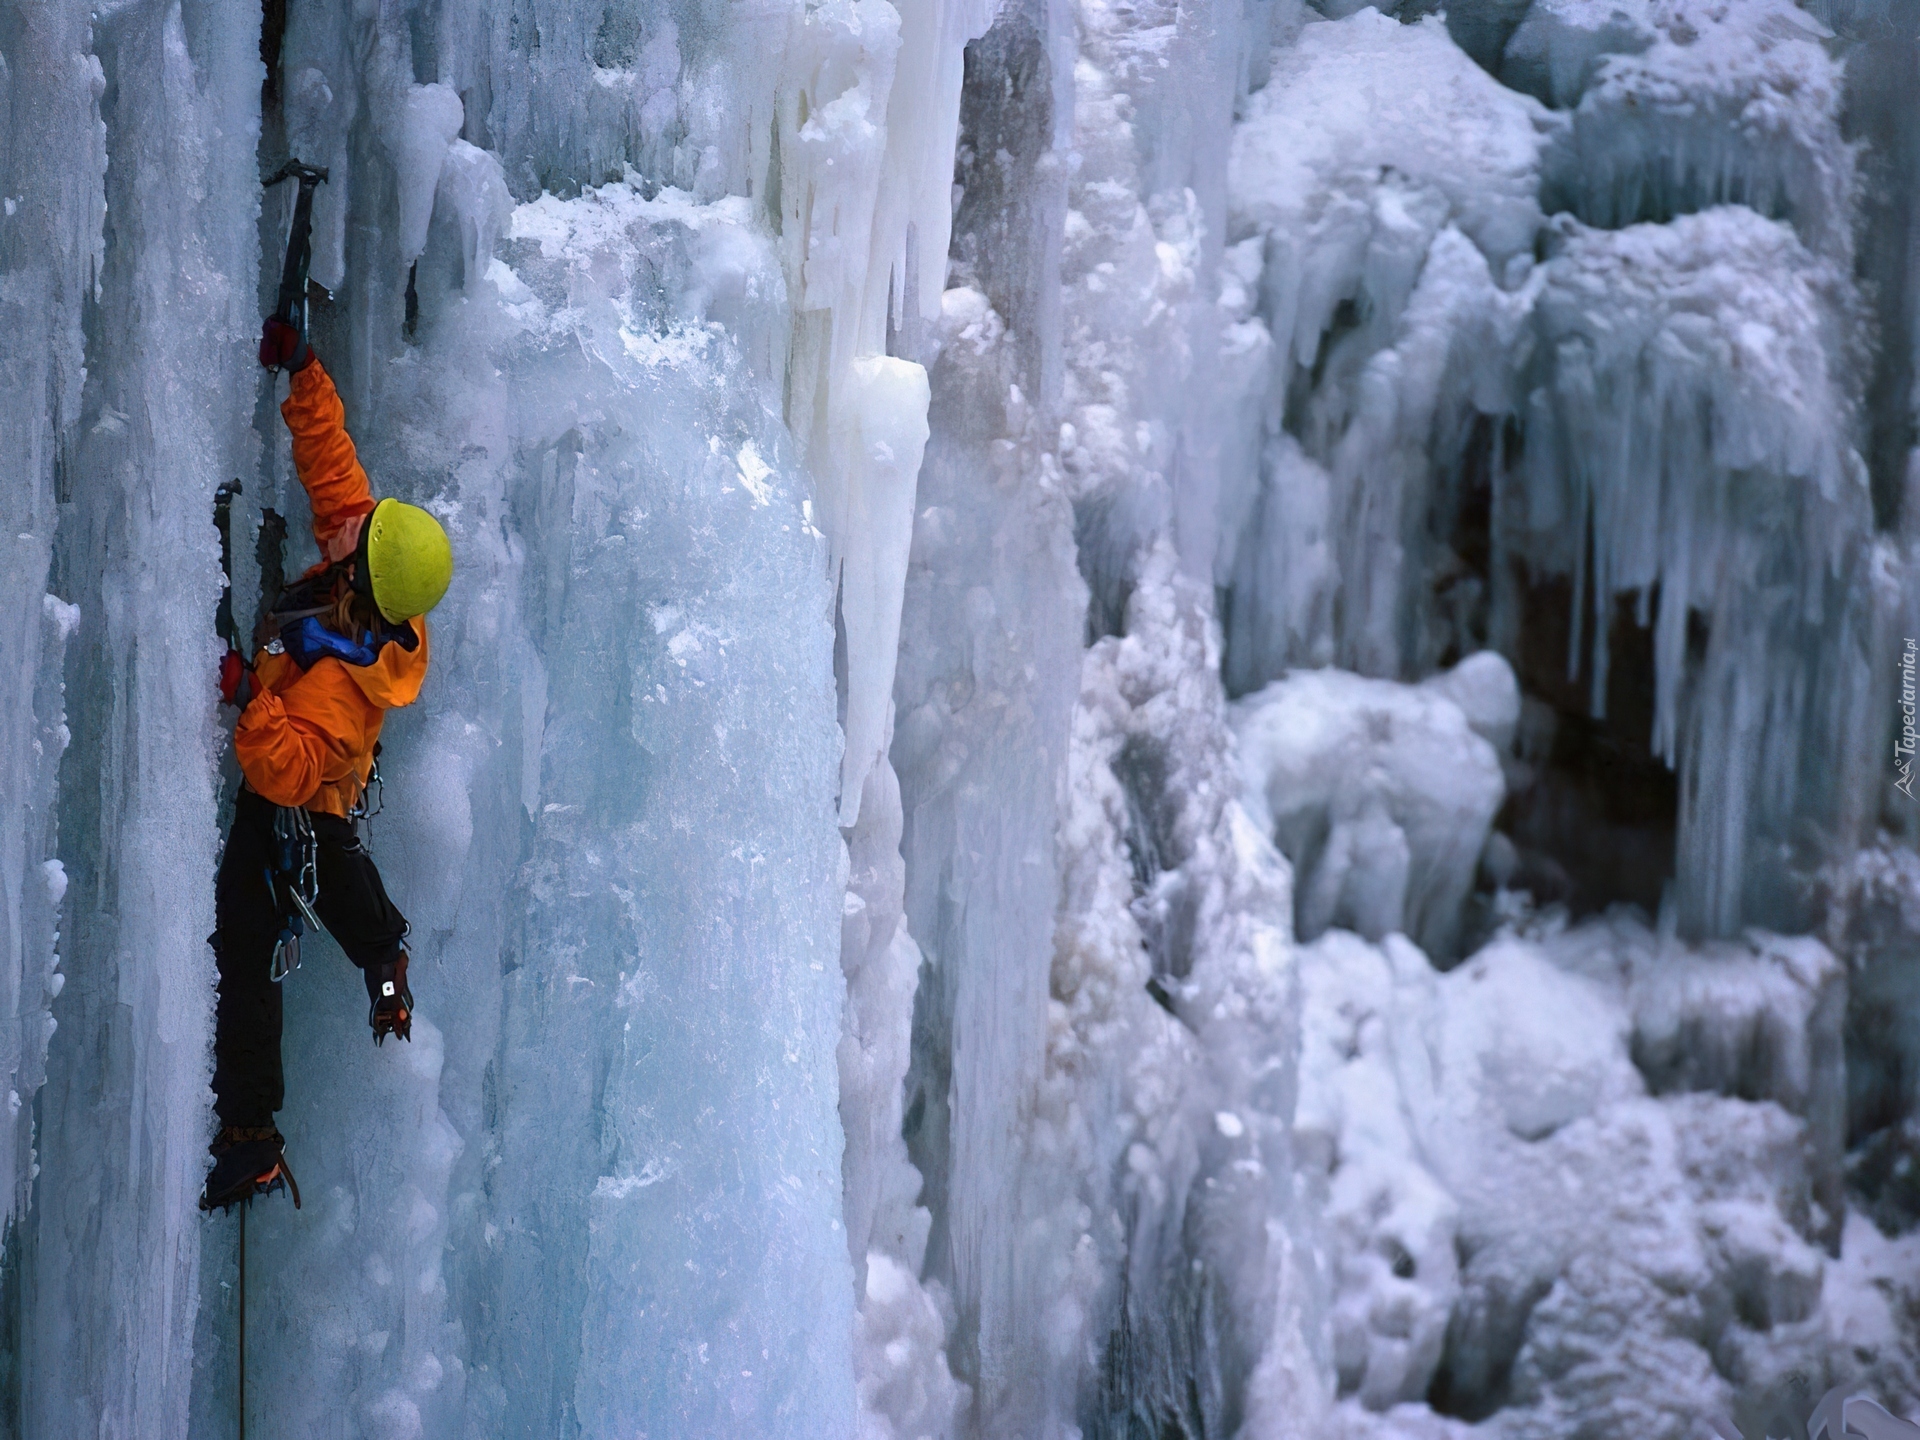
point(247, 1082)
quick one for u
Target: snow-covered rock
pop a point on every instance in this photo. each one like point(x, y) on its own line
point(1701, 103)
point(1558, 46)
point(1380, 794)
point(1522, 1230)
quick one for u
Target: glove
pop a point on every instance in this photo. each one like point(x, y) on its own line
point(237, 685)
point(282, 346)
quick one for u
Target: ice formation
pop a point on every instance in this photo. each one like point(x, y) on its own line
point(1068, 618)
point(1572, 1127)
point(1381, 795)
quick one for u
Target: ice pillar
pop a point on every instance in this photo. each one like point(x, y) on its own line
point(112, 1255)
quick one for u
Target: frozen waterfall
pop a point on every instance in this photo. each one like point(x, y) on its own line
point(1157, 720)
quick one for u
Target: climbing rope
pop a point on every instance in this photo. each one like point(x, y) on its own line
point(241, 1398)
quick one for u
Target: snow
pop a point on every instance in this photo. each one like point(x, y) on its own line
point(1501, 1113)
point(1349, 98)
point(1724, 104)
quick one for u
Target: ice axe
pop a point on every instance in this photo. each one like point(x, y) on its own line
point(223, 624)
point(292, 308)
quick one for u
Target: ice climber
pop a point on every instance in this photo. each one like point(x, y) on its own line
point(342, 646)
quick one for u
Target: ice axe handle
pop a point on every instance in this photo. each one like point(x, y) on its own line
point(293, 275)
point(223, 521)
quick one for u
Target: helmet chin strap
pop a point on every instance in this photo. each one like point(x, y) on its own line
point(361, 576)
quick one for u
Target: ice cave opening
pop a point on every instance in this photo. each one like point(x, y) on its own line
point(1157, 721)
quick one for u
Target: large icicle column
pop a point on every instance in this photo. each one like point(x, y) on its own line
point(983, 698)
point(49, 253)
point(1103, 1121)
point(109, 1261)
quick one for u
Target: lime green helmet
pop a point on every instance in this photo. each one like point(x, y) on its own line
point(409, 560)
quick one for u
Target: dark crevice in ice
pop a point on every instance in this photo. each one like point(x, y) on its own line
point(273, 29)
point(1164, 903)
point(1460, 540)
point(1484, 1336)
point(1595, 813)
point(1163, 1370)
point(1105, 560)
point(1881, 115)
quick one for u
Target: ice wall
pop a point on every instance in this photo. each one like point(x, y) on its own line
point(593, 391)
point(536, 1227)
point(161, 286)
point(1442, 436)
point(1102, 1123)
point(1448, 407)
point(879, 440)
point(49, 251)
point(721, 336)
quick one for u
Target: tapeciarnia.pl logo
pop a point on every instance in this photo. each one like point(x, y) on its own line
point(1903, 747)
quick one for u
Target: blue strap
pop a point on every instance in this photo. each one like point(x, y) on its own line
point(308, 641)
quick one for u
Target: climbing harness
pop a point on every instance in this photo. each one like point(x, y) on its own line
point(293, 878)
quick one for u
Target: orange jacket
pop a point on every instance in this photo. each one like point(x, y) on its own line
point(307, 738)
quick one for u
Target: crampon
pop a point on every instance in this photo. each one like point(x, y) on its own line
point(390, 1008)
point(246, 1163)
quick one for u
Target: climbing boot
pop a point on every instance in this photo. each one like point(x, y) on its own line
point(390, 1003)
point(247, 1161)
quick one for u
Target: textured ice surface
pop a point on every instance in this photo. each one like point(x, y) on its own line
point(1520, 1223)
point(1882, 889)
point(624, 1104)
point(1391, 185)
point(121, 1120)
point(1380, 794)
point(48, 246)
point(1662, 388)
point(1721, 104)
point(1559, 44)
point(1107, 1181)
point(1686, 409)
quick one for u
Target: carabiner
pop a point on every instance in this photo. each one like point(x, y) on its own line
point(286, 955)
